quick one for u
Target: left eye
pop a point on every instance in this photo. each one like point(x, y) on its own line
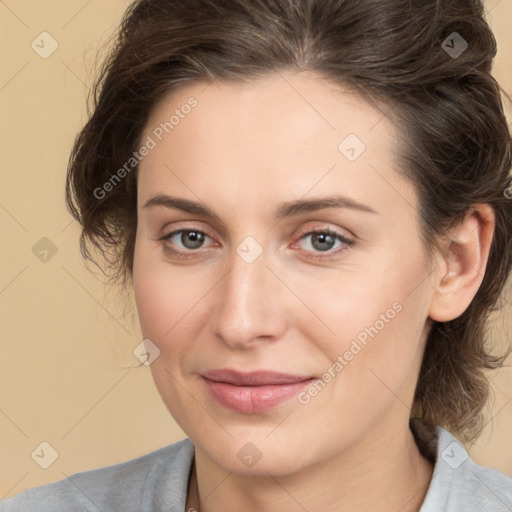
point(325, 240)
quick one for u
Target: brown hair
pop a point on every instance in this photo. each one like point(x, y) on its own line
point(455, 144)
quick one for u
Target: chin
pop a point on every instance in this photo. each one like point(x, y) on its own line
point(247, 455)
point(265, 466)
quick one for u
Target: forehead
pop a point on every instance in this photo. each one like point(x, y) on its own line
point(288, 132)
point(300, 106)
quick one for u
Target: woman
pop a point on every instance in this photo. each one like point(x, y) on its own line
point(311, 201)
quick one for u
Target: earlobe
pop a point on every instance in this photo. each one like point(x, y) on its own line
point(461, 264)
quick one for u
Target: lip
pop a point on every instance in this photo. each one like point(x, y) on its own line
point(253, 392)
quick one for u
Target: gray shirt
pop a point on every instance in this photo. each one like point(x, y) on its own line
point(158, 482)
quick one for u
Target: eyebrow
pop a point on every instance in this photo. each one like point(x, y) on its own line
point(287, 209)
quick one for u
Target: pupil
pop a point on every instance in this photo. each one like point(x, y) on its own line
point(195, 239)
point(323, 238)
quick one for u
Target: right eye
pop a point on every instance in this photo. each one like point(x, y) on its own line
point(190, 239)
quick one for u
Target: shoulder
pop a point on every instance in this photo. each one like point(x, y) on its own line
point(459, 484)
point(155, 481)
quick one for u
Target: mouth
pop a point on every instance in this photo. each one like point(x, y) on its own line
point(253, 392)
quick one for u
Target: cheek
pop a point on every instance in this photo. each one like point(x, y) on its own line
point(374, 320)
point(152, 302)
point(156, 305)
point(164, 300)
point(168, 300)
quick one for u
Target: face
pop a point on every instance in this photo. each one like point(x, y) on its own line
point(239, 267)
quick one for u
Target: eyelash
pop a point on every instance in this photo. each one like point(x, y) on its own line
point(328, 255)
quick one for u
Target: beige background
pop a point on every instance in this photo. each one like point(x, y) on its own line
point(67, 373)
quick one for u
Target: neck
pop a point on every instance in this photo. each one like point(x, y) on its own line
point(384, 472)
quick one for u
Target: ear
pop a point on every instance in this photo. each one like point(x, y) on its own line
point(461, 264)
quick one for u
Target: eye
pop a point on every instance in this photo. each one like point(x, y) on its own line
point(182, 243)
point(324, 241)
point(190, 240)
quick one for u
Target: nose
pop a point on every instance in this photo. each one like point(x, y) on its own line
point(250, 305)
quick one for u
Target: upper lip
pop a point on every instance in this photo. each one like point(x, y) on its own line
point(256, 378)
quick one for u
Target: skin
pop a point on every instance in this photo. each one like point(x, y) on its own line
point(244, 150)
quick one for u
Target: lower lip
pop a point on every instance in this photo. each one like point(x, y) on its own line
point(253, 399)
